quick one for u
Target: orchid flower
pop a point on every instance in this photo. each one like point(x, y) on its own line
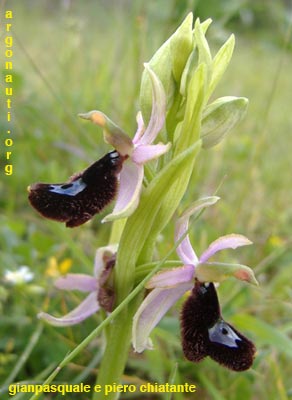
point(170, 285)
point(94, 285)
point(137, 151)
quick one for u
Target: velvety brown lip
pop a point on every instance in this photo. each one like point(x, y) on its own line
point(205, 333)
point(82, 196)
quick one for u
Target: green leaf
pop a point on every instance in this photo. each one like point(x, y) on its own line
point(220, 117)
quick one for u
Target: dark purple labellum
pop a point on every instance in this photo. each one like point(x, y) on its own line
point(84, 195)
point(205, 333)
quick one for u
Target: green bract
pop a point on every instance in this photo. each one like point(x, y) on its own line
point(221, 116)
point(189, 75)
point(181, 45)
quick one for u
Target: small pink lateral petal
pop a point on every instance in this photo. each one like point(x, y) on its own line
point(145, 153)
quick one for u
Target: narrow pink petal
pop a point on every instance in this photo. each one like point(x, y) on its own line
point(141, 128)
point(231, 241)
point(82, 282)
point(131, 179)
point(88, 307)
point(150, 312)
point(158, 109)
point(171, 277)
point(99, 258)
point(185, 250)
point(144, 153)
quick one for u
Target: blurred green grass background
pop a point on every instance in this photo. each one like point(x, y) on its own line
point(71, 57)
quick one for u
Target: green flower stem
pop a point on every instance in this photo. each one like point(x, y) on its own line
point(117, 230)
point(117, 349)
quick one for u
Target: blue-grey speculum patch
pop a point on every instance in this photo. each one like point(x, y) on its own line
point(222, 333)
point(69, 189)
